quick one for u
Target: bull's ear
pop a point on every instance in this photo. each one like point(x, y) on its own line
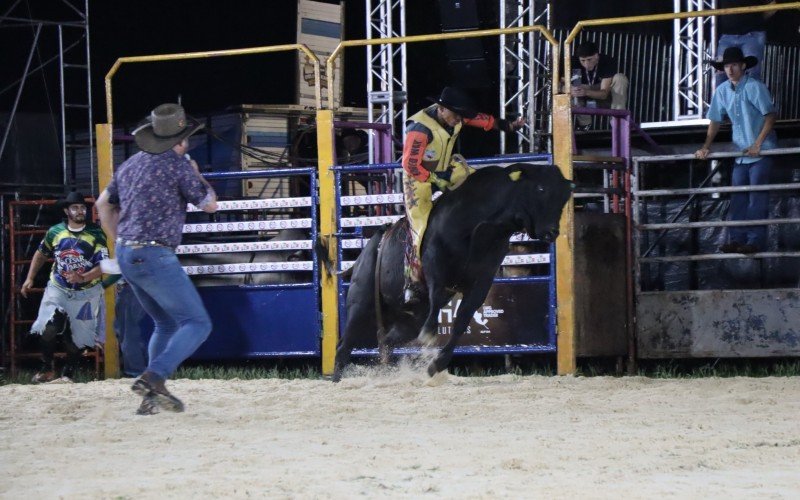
point(514, 176)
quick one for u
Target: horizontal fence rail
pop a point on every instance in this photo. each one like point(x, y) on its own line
point(649, 234)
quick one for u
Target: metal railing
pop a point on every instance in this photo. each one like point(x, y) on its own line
point(704, 233)
point(647, 62)
point(213, 53)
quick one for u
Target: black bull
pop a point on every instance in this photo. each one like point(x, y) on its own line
point(463, 247)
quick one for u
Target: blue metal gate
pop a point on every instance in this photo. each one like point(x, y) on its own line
point(519, 313)
point(259, 320)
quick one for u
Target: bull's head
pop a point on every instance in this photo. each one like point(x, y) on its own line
point(541, 193)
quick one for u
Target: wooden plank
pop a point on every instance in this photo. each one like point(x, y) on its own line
point(319, 27)
point(565, 243)
point(718, 324)
point(327, 226)
point(105, 171)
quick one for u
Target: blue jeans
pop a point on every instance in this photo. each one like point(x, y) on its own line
point(750, 206)
point(171, 299)
point(128, 316)
point(752, 44)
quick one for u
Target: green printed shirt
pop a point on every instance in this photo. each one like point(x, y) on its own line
point(74, 251)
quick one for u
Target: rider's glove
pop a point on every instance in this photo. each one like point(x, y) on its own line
point(505, 125)
point(458, 161)
point(439, 181)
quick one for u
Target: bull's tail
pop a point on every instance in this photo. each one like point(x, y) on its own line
point(321, 249)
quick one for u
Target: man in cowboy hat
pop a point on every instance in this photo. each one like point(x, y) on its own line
point(428, 162)
point(144, 209)
point(73, 292)
point(748, 104)
point(746, 31)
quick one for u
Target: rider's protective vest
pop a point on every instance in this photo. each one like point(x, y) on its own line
point(440, 148)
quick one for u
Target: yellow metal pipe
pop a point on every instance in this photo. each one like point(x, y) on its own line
point(105, 170)
point(329, 65)
point(556, 58)
point(658, 17)
point(213, 53)
point(105, 145)
point(327, 227)
point(565, 252)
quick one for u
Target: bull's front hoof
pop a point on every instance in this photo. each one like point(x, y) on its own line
point(337, 376)
point(433, 369)
point(385, 354)
point(437, 378)
point(426, 339)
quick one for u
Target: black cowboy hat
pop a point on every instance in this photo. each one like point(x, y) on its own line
point(734, 55)
point(74, 197)
point(167, 126)
point(457, 101)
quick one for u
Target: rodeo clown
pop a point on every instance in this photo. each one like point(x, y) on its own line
point(74, 291)
point(428, 161)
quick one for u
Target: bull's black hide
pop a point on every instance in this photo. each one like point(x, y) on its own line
point(464, 245)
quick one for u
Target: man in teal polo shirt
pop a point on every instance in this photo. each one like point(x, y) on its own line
point(748, 104)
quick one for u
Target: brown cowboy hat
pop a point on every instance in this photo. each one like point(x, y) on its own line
point(457, 101)
point(167, 126)
point(734, 55)
point(72, 198)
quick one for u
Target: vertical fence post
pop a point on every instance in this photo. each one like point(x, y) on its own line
point(327, 229)
point(105, 170)
point(565, 257)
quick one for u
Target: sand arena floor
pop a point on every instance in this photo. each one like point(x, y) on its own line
point(390, 434)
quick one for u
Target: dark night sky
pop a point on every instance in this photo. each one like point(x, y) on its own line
point(127, 28)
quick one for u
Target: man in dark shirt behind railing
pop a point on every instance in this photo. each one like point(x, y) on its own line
point(596, 82)
point(144, 208)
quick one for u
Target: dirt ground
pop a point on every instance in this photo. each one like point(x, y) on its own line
point(395, 434)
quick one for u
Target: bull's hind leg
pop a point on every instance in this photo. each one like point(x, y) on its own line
point(360, 318)
point(384, 353)
point(343, 351)
point(400, 333)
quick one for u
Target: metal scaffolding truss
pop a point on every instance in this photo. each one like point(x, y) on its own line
point(387, 91)
point(70, 20)
point(690, 91)
point(525, 76)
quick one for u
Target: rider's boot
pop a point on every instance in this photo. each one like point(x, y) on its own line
point(413, 292)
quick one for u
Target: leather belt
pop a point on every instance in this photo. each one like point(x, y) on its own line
point(137, 243)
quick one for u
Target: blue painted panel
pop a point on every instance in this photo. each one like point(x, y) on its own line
point(257, 322)
point(267, 139)
point(318, 27)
